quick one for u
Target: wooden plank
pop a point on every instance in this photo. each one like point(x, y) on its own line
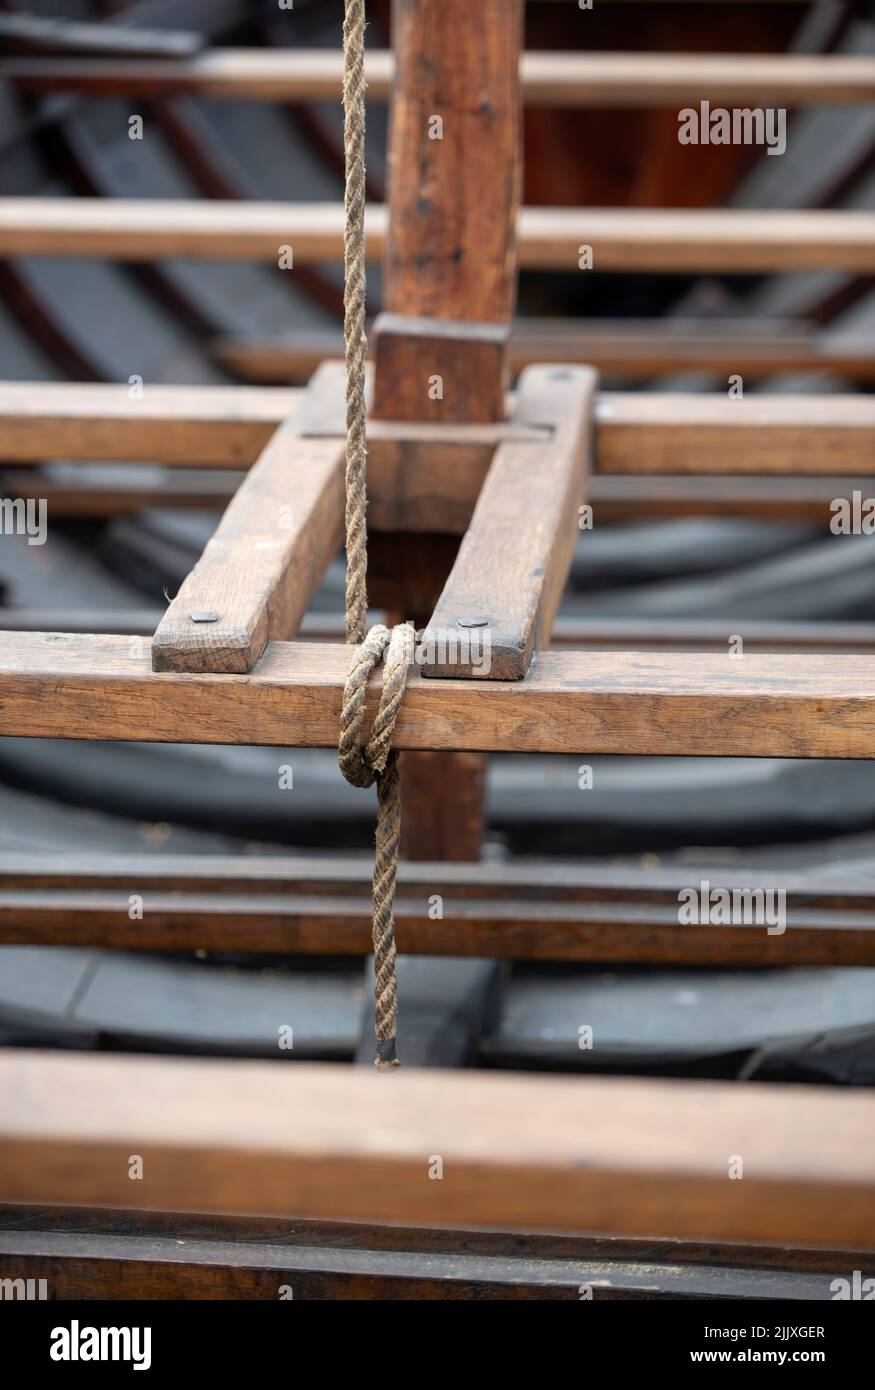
point(552, 79)
point(183, 426)
point(653, 433)
point(726, 240)
point(259, 571)
point(636, 433)
point(503, 592)
point(678, 703)
point(489, 928)
point(546, 1153)
point(96, 1251)
point(637, 348)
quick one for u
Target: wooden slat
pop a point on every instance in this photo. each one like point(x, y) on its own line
point(546, 1153)
point(549, 238)
point(636, 433)
point(261, 568)
point(185, 426)
point(499, 928)
point(654, 433)
point(627, 80)
point(505, 587)
point(640, 349)
point(54, 685)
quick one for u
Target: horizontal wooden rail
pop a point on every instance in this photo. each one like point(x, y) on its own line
point(679, 703)
point(636, 433)
point(623, 80)
point(549, 238)
point(519, 911)
point(549, 1153)
point(638, 348)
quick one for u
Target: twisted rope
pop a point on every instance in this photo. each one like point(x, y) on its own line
point(355, 336)
point(363, 763)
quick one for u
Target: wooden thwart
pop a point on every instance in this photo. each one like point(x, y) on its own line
point(548, 1153)
point(635, 433)
point(679, 703)
point(148, 229)
point(627, 80)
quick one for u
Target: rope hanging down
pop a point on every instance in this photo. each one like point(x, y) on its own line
point(374, 761)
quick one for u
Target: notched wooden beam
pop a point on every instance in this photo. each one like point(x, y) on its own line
point(259, 572)
point(501, 597)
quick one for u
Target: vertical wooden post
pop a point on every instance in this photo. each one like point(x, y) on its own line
point(455, 175)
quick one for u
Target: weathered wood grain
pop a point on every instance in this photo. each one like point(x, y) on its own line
point(504, 590)
point(682, 703)
point(260, 570)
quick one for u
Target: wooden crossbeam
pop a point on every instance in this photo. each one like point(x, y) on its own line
point(504, 589)
point(637, 348)
point(549, 238)
point(636, 433)
point(530, 916)
point(613, 80)
point(650, 703)
point(550, 1153)
point(261, 568)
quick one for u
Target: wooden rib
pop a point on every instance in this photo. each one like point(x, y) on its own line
point(550, 1153)
point(640, 348)
point(685, 704)
point(636, 433)
point(627, 80)
point(260, 570)
point(505, 586)
point(549, 238)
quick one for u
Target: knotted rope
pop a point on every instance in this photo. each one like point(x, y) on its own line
point(364, 763)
